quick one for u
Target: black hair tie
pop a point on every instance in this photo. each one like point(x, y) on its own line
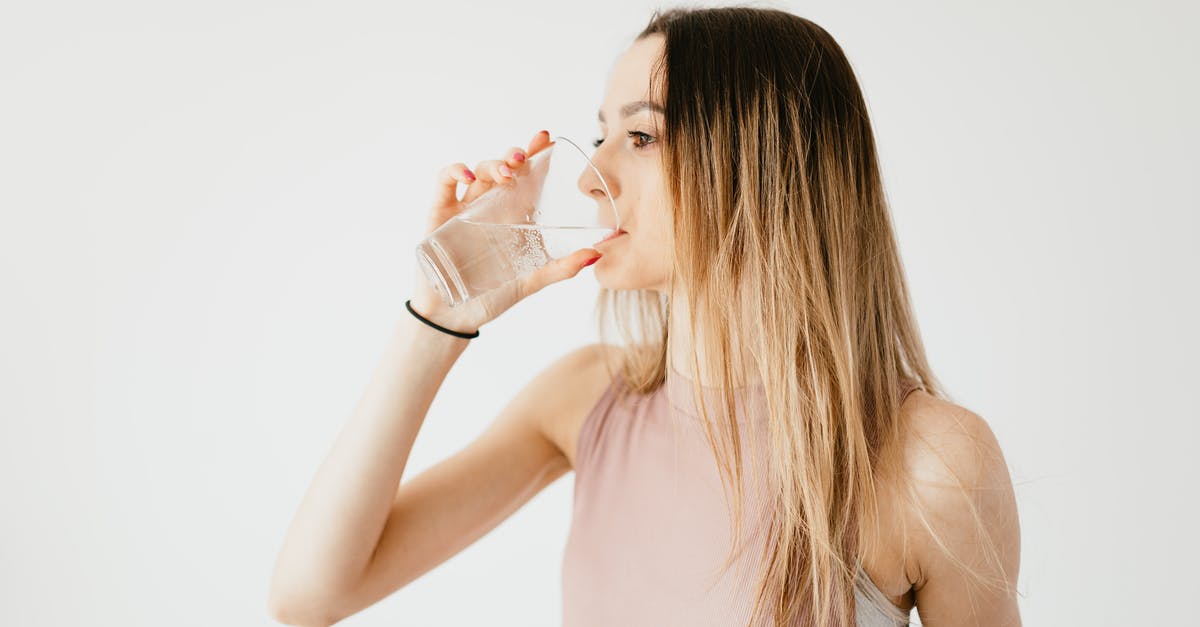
point(408, 305)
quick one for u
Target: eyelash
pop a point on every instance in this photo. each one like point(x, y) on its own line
point(596, 142)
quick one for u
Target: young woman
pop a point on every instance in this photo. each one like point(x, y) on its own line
point(767, 446)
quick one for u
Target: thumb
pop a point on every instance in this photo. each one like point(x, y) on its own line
point(560, 269)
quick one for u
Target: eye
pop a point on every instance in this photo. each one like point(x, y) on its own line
point(645, 139)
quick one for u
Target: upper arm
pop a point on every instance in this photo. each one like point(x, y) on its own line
point(965, 533)
point(453, 503)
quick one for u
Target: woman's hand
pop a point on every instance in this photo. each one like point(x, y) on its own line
point(473, 314)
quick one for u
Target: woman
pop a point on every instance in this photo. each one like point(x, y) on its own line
point(769, 444)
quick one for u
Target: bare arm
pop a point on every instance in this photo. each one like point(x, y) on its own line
point(403, 532)
point(460, 499)
point(967, 524)
point(359, 534)
point(333, 534)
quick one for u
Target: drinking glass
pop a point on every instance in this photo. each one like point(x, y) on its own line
point(517, 226)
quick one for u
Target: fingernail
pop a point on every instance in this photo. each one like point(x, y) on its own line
point(592, 260)
point(467, 173)
point(519, 157)
point(504, 170)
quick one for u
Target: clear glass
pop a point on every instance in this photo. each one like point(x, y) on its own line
point(556, 204)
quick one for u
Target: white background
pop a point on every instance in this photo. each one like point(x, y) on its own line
point(207, 221)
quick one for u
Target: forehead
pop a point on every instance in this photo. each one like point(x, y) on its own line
point(629, 78)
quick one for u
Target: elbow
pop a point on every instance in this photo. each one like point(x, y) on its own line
point(300, 596)
point(302, 610)
point(297, 596)
point(298, 616)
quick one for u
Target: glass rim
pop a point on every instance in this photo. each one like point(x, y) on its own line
point(612, 203)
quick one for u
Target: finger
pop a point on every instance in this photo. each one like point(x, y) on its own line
point(514, 157)
point(488, 174)
point(559, 269)
point(448, 178)
point(540, 141)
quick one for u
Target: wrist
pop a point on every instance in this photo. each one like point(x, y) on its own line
point(454, 327)
point(427, 340)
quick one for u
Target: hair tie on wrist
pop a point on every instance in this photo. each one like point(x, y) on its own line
point(408, 305)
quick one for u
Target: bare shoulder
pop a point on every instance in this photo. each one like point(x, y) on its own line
point(566, 390)
point(949, 444)
point(961, 522)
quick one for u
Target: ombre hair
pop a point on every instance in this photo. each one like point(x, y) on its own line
point(781, 228)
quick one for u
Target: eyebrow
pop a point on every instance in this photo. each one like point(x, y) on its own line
point(633, 108)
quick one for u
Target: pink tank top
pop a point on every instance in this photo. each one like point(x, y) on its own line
point(650, 529)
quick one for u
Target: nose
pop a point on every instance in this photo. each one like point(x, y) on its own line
point(592, 185)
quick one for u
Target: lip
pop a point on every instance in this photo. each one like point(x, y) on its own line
point(614, 234)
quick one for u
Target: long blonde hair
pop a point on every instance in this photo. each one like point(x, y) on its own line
point(780, 224)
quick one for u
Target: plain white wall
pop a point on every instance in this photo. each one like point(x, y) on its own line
point(207, 229)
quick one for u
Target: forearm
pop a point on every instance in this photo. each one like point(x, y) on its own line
point(341, 517)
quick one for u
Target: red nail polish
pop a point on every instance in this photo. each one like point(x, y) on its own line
point(519, 157)
point(467, 173)
point(592, 260)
